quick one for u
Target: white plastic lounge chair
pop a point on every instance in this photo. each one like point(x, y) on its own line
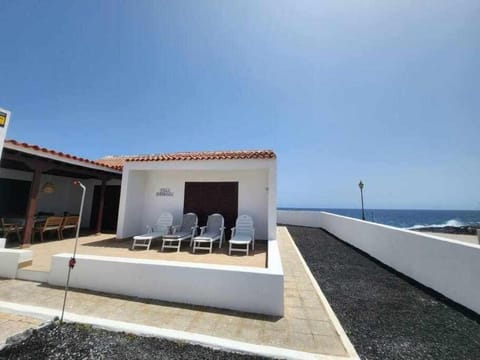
point(185, 231)
point(162, 227)
point(213, 231)
point(243, 234)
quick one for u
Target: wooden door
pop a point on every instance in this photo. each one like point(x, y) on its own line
point(206, 198)
point(110, 207)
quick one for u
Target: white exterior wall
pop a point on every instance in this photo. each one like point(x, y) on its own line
point(249, 289)
point(10, 259)
point(130, 212)
point(66, 197)
point(252, 196)
point(449, 267)
point(139, 205)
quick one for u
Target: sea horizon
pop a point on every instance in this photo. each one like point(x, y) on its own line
point(407, 218)
point(346, 208)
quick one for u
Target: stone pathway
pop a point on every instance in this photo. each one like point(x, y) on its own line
point(11, 324)
point(307, 325)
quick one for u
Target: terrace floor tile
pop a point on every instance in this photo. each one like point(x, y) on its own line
point(306, 325)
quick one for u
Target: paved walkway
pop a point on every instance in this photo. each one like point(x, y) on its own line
point(11, 324)
point(307, 325)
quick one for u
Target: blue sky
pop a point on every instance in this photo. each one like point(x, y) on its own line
point(383, 91)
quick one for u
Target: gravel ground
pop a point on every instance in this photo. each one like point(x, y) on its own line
point(76, 341)
point(386, 315)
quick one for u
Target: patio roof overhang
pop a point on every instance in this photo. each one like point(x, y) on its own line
point(38, 160)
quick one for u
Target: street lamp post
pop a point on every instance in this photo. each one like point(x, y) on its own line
point(361, 185)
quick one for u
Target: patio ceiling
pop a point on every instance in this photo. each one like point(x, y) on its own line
point(18, 160)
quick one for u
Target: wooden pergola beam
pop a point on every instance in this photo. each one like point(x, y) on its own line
point(101, 206)
point(37, 168)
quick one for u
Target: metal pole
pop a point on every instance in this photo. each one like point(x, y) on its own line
point(361, 185)
point(363, 210)
point(72, 261)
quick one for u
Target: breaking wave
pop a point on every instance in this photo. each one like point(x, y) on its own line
point(451, 222)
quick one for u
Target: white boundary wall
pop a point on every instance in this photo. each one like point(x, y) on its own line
point(248, 289)
point(10, 259)
point(450, 267)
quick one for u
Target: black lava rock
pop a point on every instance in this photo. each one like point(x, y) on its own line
point(77, 341)
point(385, 314)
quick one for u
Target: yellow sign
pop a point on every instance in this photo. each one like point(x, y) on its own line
point(3, 119)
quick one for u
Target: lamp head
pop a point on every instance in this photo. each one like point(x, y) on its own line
point(361, 185)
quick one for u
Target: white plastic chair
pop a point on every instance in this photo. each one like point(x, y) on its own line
point(161, 228)
point(213, 231)
point(243, 234)
point(185, 231)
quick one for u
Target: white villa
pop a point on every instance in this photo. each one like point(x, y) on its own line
point(230, 183)
point(128, 193)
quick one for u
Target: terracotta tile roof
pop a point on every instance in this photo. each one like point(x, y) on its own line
point(118, 161)
point(37, 148)
point(115, 162)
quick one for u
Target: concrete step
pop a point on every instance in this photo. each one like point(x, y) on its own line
point(32, 275)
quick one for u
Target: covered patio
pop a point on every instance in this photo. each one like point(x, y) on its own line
point(36, 183)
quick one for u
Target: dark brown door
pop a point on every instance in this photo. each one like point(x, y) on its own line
point(110, 207)
point(206, 198)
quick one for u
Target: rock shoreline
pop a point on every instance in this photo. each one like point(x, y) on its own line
point(461, 230)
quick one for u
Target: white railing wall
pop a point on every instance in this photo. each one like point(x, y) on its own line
point(12, 259)
point(450, 267)
point(247, 289)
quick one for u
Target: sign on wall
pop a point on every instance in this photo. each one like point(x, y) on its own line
point(4, 120)
point(164, 192)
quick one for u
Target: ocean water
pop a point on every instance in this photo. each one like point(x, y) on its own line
point(411, 219)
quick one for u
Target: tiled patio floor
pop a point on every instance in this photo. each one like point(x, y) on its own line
point(107, 245)
point(306, 326)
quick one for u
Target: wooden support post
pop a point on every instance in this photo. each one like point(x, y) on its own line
point(101, 206)
point(31, 207)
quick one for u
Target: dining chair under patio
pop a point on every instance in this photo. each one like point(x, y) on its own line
point(213, 231)
point(52, 223)
point(243, 234)
point(69, 223)
point(161, 228)
point(183, 232)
